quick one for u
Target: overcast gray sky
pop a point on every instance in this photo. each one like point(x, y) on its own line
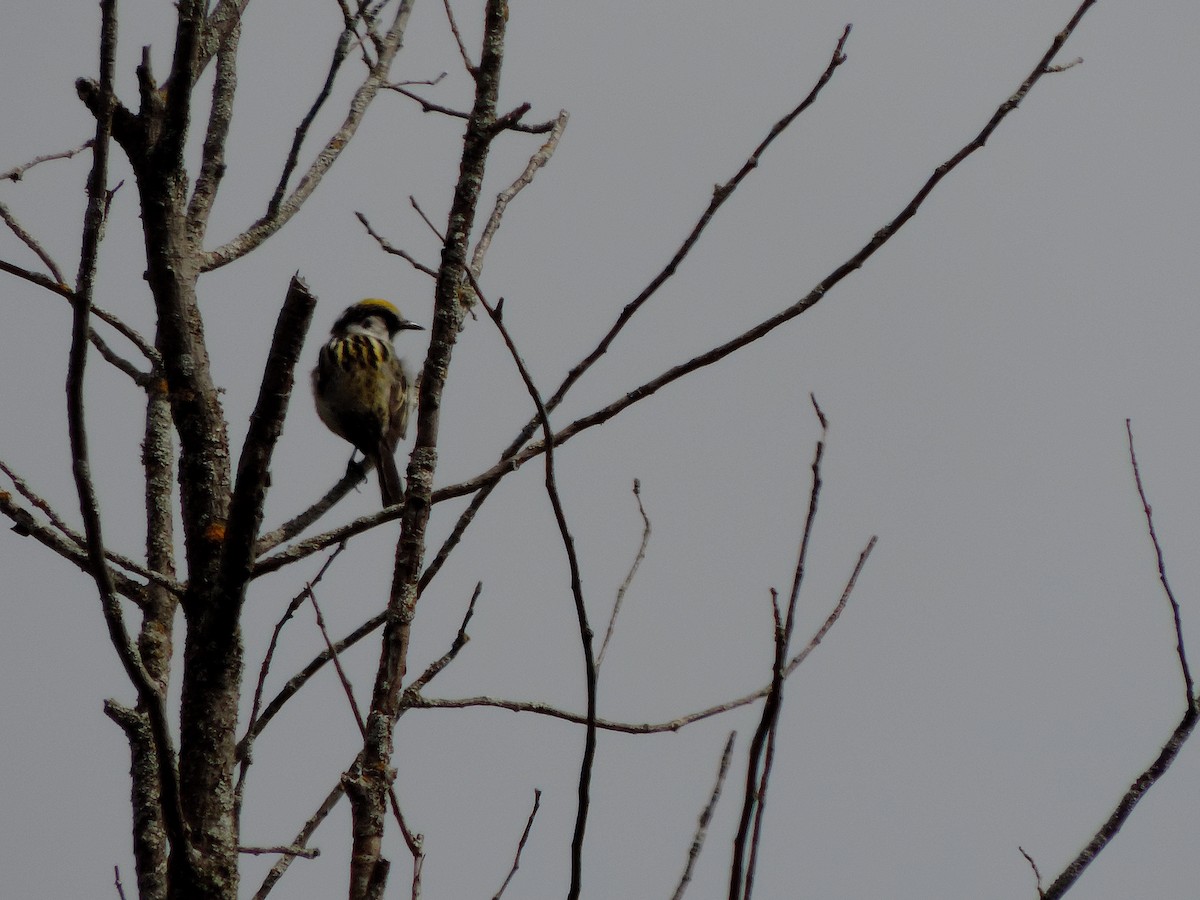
point(1006, 666)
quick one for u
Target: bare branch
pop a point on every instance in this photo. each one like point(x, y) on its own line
point(637, 562)
point(42, 281)
point(16, 173)
point(266, 424)
point(126, 587)
point(674, 724)
point(69, 549)
point(254, 726)
point(513, 457)
point(149, 695)
point(762, 746)
point(395, 251)
point(585, 630)
point(1179, 736)
point(339, 56)
point(1125, 807)
point(537, 161)
point(1036, 872)
point(31, 242)
point(271, 223)
point(347, 687)
point(705, 819)
point(306, 832)
point(294, 526)
point(303, 852)
point(220, 113)
point(1189, 687)
point(462, 48)
point(460, 641)
point(537, 802)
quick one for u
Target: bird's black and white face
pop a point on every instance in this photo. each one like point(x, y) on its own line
point(373, 318)
point(373, 326)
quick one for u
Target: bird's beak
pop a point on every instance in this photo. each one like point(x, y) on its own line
point(411, 326)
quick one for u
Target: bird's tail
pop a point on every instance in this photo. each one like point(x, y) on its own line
point(390, 485)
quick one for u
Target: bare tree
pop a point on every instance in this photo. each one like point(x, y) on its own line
point(189, 765)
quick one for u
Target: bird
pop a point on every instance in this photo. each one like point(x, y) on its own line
point(364, 393)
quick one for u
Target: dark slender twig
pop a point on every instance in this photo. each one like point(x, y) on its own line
point(302, 852)
point(32, 243)
point(306, 832)
point(253, 727)
point(462, 48)
point(294, 526)
point(117, 882)
point(637, 562)
point(741, 872)
point(1036, 872)
point(16, 173)
point(268, 224)
point(395, 251)
point(80, 540)
point(93, 231)
point(516, 863)
point(301, 132)
point(585, 630)
point(506, 196)
point(674, 724)
point(514, 457)
point(1170, 750)
point(705, 818)
point(460, 641)
point(1189, 687)
point(1127, 804)
point(347, 687)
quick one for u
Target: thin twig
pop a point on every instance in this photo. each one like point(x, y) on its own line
point(80, 540)
point(514, 457)
point(585, 631)
point(69, 548)
point(117, 882)
point(506, 196)
point(705, 818)
point(460, 641)
point(741, 870)
point(32, 243)
point(93, 231)
point(347, 687)
point(1188, 686)
point(306, 832)
point(637, 561)
point(462, 48)
point(302, 852)
point(301, 131)
point(1128, 803)
point(16, 173)
point(674, 724)
point(387, 247)
point(1170, 750)
point(516, 864)
point(253, 727)
point(271, 222)
point(1036, 872)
